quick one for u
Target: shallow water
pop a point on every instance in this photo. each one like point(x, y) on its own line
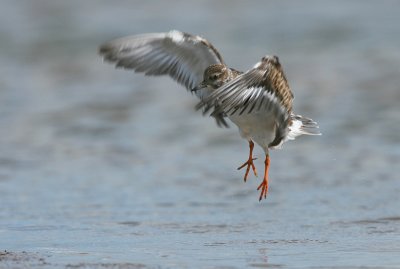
point(102, 168)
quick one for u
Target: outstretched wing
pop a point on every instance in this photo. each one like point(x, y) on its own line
point(263, 88)
point(182, 56)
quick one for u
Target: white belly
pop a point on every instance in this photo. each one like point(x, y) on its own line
point(257, 126)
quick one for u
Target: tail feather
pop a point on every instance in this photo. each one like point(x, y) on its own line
point(302, 126)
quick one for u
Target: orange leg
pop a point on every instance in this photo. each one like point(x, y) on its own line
point(264, 184)
point(249, 162)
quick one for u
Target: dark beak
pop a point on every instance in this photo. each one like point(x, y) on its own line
point(202, 85)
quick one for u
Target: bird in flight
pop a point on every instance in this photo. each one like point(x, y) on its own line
point(259, 101)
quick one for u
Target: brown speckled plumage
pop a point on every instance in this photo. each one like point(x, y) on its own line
point(278, 82)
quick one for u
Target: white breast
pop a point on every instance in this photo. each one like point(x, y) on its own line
point(257, 126)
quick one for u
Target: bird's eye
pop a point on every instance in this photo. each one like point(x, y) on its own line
point(213, 77)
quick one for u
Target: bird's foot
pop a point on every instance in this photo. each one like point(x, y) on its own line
point(264, 189)
point(264, 184)
point(249, 163)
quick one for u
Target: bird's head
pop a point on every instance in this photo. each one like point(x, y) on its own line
point(214, 77)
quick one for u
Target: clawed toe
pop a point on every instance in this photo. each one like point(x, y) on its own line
point(264, 184)
point(249, 163)
point(264, 189)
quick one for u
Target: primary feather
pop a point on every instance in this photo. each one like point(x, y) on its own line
point(182, 56)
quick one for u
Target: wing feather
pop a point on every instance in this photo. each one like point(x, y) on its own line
point(182, 56)
point(262, 88)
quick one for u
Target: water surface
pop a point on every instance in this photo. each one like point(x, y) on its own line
point(102, 168)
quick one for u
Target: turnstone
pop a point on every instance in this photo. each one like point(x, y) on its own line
point(258, 101)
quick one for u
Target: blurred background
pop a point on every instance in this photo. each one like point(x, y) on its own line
point(104, 168)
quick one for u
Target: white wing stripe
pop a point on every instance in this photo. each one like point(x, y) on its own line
point(182, 56)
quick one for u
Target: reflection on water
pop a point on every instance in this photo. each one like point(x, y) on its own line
point(102, 168)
